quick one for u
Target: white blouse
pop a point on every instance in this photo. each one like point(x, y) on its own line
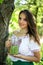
point(26, 46)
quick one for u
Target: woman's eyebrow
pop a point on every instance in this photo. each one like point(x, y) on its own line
point(21, 18)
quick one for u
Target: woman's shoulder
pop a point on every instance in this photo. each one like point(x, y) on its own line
point(32, 38)
point(34, 46)
point(33, 42)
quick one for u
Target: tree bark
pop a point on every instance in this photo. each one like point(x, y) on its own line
point(6, 9)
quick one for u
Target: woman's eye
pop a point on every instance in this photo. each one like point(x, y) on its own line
point(25, 19)
point(20, 18)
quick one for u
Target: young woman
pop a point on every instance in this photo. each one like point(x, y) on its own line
point(29, 45)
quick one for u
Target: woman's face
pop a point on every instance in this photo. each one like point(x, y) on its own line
point(22, 21)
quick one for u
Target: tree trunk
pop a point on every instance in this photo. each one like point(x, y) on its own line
point(6, 9)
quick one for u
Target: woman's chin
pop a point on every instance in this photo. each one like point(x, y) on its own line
point(22, 27)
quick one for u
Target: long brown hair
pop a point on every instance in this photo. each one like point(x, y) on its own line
point(32, 28)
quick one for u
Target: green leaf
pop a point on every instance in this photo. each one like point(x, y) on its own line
point(1, 1)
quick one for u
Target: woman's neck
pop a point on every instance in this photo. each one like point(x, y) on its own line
point(24, 31)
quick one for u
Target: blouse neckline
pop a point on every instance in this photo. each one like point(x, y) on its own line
point(23, 36)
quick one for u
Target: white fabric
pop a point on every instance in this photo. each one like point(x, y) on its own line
point(34, 46)
point(27, 47)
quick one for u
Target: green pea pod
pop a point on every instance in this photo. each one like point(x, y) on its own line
point(14, 50)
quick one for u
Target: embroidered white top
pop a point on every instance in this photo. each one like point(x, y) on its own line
point(26, 46)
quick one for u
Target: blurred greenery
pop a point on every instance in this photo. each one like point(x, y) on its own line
point(1, 1)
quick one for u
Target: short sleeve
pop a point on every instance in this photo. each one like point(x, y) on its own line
point(34, 46)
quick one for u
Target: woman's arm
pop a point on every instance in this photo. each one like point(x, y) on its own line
point(35, 58)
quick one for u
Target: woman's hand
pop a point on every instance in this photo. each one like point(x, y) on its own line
point(18, 55)
point(8, 44)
